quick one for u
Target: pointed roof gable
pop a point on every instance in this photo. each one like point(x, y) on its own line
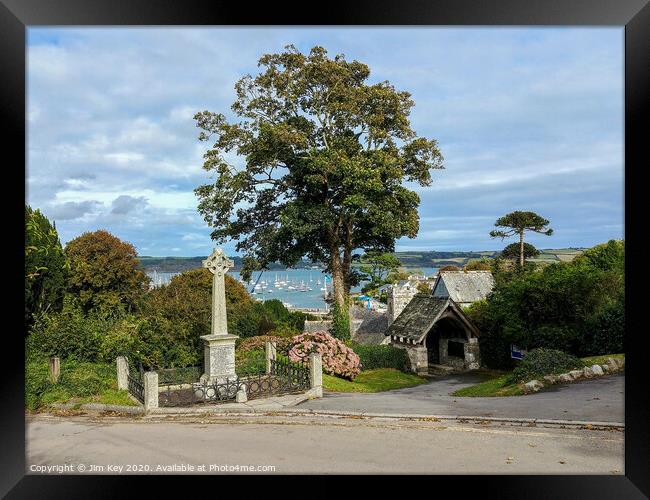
point(464, 286)
point(419, 316)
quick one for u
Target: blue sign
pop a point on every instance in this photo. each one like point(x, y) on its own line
point(516, 352)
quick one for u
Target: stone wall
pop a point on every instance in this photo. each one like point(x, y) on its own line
point(417, 354)
point(317, 326)
point(398, 298)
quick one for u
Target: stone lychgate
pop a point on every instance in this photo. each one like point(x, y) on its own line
point(436, 334)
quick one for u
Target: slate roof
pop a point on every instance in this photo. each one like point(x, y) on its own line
point(464, 287)
point(418, 316)
point(369, 326)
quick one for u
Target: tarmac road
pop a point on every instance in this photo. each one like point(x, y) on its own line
point(281, 444)
point(597, 400)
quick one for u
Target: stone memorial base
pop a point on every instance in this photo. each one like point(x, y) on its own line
point(219, 358)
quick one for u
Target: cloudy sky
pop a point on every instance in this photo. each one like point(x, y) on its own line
point(527, 119)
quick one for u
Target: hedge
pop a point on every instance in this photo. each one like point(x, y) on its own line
point(540, 362)
point(381, 356)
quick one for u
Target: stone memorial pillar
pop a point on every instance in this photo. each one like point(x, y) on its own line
point(219, 346)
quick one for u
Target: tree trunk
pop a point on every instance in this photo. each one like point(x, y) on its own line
point(338, 279)
point(347, 263)
point(521, 249)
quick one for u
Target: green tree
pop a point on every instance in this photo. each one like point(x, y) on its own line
point(519, 222)
point(400, 274)
point(513, 252)
point(325, 155)
point(376, 267)
point(575, 306)
point(46, 266)
point(606, 256)
point(104, 274)
point(483, 264)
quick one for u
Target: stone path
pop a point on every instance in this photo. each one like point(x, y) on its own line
point(596, 400)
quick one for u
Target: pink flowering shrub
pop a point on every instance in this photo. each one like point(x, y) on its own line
point(338, 359)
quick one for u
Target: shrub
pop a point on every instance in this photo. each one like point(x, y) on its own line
point(540, 362)
point(556, 337)
point(341, 322)
point(78, 380)
point(483, 264)
point(69, 334)
point(282, 343)
point(606, 331)
point(36, 382)
point(250, 362)
point(381, 356)
point(250, 355)
point(120, 340)
point(338, 359)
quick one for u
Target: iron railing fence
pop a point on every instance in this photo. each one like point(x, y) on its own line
point(135, 380)
point(293, 375)
point(179, 387)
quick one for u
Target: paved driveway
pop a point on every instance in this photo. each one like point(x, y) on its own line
point(596, 400)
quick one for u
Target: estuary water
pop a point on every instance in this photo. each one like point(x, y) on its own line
point(298, 288)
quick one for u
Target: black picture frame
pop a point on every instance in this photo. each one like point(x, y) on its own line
point(17, 15)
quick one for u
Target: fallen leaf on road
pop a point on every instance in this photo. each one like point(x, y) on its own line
point(562, 462)
point(532, 445)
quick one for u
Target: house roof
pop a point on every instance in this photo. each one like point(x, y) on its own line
point(419, 316)
point(464, 286)
point(368, 326)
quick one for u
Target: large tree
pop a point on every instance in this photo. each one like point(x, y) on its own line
point(104, 272)
point(517, 223)
point(324, 154)
point(45, 266)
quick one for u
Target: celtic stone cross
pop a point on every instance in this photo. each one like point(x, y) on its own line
point(218, 264)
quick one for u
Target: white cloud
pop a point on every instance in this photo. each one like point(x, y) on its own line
point(524, 117)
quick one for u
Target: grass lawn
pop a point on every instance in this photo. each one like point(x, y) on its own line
point(381, 379)
point(494, 387)
point(599, 360)
point(80, 382)
point(499, 386)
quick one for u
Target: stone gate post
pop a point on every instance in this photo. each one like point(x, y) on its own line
point(122, 373)
point(316, 374)
point(271, 352)
point(55, 369)
point(150, 390)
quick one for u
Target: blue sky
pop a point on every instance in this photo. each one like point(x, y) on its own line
point(526, 119)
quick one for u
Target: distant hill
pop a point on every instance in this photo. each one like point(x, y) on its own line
point(408, 259)
point(182, 264)
point(440, 259)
